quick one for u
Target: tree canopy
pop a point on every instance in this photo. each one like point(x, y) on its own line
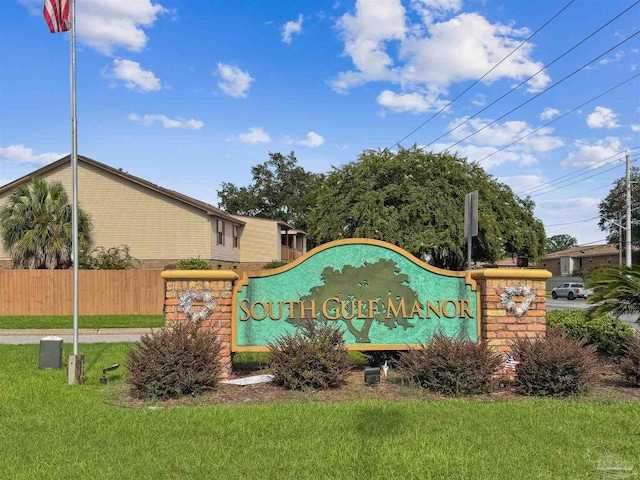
point(415, 200)
point(613, 210)
point(36, 226)
point(281, 190)
point(560, 242)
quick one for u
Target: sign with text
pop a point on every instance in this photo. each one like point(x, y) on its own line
point(381, 296)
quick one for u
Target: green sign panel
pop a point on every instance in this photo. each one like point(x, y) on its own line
point(380, 295)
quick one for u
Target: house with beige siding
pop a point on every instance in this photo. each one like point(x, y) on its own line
point(265, 240)
point(160, 226)
point(574, 260)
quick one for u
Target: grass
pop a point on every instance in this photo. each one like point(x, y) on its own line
point(84, 321)
point(51, 430)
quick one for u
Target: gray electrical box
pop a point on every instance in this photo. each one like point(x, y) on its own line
point(50, 353)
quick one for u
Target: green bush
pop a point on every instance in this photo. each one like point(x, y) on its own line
point(554, 365)
point(608, 334)
point(274, 264)
point(114, 258)
point(629, 366)
point(315, 356)
point(174, 361)
point(450, 366)
point(194, 264)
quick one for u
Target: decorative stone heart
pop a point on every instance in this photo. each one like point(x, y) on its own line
point(506, 297)
point(189, 296)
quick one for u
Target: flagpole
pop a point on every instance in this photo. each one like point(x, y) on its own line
point(75, 366)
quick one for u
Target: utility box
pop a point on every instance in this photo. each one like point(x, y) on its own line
point(50, 353)
point(371, 375)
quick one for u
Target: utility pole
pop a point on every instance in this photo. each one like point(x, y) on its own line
point(628, 242)
point(619, 240)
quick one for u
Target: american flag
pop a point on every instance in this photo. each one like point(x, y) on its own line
point(56, 13)
point(510, 364)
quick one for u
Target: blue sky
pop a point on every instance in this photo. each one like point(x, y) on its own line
point(192, 94)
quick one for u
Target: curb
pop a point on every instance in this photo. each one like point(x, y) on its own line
point(69, 331)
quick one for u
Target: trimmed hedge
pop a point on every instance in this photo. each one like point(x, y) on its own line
point(555, 365)
point(451, 366)
point(608, 334)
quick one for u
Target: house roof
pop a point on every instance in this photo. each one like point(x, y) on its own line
point(584, 251)
point(209, 209)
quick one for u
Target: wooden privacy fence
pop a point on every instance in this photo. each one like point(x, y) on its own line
point(100, 292)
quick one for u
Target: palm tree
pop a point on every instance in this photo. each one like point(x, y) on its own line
point(616, 290)
point(36, 226)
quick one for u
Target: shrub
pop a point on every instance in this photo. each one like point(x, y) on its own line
point(274, 264)
point(377, 358)
point(554, 365)
point(114, 258)
point(174, 361)
point(315, 356)
point(194, 264)
point(451, 366)
point(608, 334)
point(629, 366)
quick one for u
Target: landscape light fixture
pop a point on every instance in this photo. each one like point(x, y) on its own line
point(372, 375)
point(103, 379)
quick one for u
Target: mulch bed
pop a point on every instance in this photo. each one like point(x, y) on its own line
point(608, 388)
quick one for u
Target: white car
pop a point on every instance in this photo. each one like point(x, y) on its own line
point(571, 291)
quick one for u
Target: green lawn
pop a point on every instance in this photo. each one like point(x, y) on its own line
point(51, 430)
point(84, 321)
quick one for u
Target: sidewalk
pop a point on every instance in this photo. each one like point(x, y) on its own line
point(85, 335)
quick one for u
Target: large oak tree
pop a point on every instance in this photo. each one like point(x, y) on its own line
point(281, 190)
point(415, 199)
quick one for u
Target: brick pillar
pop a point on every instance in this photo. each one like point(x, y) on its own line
point(498, 325)
point(216, 283)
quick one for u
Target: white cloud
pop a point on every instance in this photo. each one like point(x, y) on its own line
point(500, 134)
point(430, 55)
point(108, 25)
point(523, 183)
point(24, 155)
point(313, 140)
point(409, 102)
point(292, 28)
point(617, 57)
point(134, 77)
point(548, 113)
point(635, 128)
point(479, 100)
point(254, 135)
point(235, 82)
point(105, 26)
point(602, 117)
point(587, 155)
point(167, 122)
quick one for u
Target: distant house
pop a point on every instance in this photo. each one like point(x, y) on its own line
point(576, 259)
point(265, 240)
point(160, 226)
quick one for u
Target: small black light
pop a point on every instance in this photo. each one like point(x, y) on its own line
point(103, 379)
point(372, 375)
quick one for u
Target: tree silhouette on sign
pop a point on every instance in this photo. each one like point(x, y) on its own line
point(369, 286)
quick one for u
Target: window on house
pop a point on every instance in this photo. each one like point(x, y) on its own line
point(236, 236)
point(220, 232)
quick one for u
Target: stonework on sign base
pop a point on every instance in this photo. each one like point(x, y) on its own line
point(513, 304)
point(382, 297)
point(204, 296)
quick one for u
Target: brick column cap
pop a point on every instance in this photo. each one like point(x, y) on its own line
point(515, 273)
point(220, 275)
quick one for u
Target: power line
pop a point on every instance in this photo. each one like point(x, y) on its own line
point(577, 181)
point(535, 74)
point(573, 174)
point(483, 76)
point(571, 223)
point(557, 118)
point(540, 93)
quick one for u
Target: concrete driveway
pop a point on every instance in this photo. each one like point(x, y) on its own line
point(104, 335)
